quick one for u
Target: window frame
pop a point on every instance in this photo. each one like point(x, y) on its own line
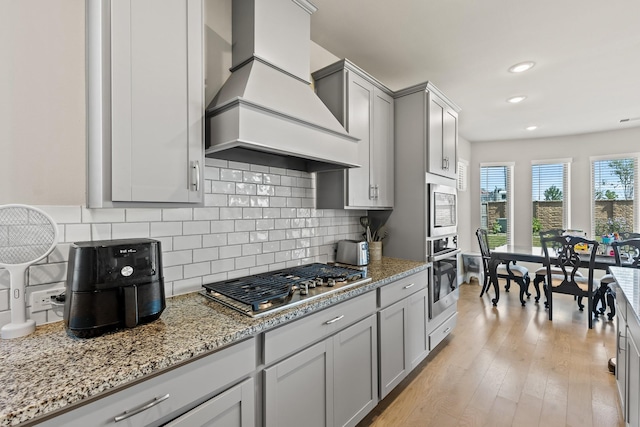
point(509, 211)
point(636, 205)
point(566, 187)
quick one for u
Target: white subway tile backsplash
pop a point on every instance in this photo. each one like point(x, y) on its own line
point(186, 286)
point(205, 254)
point(215, 200)
point(160, 229)
point(63, 214)
point(252, 177)
point(177, 258)
point(197, 269)
point(230, 251)
point(40, 274)
point(212, 240)
point(130, 230)
point(230, 213)
point(223, 266)
point(230, 175)
point(238, 238)
point(143, 215)
point(172, 273)
point(255, 219)
point(252, 249)
point(206, 214)
point(187, 242)
point(239, 165)
point(177, 214)
point(102, 215)
point(246, 262)
point(77, 232)
point(196, 227)
point(222, 187)
point(100, 231)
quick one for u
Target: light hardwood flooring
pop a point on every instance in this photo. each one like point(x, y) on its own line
point(510, 366)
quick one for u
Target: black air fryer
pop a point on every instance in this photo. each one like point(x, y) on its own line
point(113, 284)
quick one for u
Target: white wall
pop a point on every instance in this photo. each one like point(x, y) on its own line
point(522, 152)
point(465, 242)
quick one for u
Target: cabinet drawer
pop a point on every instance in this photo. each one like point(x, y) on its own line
point(186, 387)
point(621, 304)
point(401, 288)
point(297, 335)
point(442, 331)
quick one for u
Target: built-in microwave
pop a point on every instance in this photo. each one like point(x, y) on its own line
point(443, 209)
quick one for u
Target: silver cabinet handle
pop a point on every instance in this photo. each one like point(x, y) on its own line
point(377, 192)
point(328, 322)
point(372, 192)
point(620, 337)
point(196, 168)
point(410, 286)
point(131, 412)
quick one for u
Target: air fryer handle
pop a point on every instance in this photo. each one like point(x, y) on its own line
point(130, 306)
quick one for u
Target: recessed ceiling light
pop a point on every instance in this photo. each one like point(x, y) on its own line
point(523, 66)
point(531, 127)
point(516, 99)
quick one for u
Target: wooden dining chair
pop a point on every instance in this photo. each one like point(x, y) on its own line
point(509, 271)
point(541, 273)
point(567, 259)
point(627, 254)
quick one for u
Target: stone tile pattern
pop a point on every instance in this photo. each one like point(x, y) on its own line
point(190, 326)
point(255, 219)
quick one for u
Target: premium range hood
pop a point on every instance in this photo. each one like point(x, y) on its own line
point(266, 112)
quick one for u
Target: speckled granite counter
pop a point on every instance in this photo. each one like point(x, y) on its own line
point(49, 371)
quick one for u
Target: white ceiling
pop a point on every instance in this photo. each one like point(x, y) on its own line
point(587, 54)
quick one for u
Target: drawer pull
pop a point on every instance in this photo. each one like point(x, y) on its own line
point(446, 331)
point(410, 286)
point(131, 412)
point(328, 322)
point(620, 338)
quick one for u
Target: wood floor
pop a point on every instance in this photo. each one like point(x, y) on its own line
point(510, 366)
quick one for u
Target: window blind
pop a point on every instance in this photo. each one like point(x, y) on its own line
point(614, 207)
point(550, 195)
point(495, 201)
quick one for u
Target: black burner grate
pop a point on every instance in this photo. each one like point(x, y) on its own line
point(260, 288)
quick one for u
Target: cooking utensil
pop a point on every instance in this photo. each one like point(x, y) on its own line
point(27, 235)
point(381, 233)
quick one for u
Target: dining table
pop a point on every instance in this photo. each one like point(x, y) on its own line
point(534, 254)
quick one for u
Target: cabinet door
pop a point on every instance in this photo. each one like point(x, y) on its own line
point(417, 342)
point(157, 100)
point(450, 142)
point(299, 390)
point(435, 128)
point(355, 372)
point(382, 150)
point(394, 360)
point(633, 382)
point(360, 108)
point(233, 408)
point(621, 361)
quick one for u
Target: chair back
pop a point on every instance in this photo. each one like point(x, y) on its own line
point(626, 235)
point(629, 250)
point(568, 260)
point(483, 242)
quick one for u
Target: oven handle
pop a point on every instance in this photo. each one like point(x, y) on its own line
point(445, 256)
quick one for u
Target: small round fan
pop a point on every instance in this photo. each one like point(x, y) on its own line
point(26, 236)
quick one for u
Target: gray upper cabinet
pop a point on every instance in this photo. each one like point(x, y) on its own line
point(438, 124)
point(145, 102)
point(364, 107)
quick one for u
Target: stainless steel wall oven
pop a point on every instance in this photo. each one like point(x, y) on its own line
point(443, 284)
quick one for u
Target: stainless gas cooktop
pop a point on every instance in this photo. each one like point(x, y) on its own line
point(266, 293)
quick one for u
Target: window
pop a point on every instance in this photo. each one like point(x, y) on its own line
point(550, 196)
point(495, 203)
point(614, 205)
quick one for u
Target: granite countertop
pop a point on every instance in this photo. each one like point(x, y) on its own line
point(628, 280)
point(49, 370)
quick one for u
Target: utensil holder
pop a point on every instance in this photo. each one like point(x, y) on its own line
point(375, 251)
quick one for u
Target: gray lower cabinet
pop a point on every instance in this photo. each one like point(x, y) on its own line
point(145, 103)
point(196, 393)
point(628, 360)
point(331, 383)
point(233, 408)
point(403, 339)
